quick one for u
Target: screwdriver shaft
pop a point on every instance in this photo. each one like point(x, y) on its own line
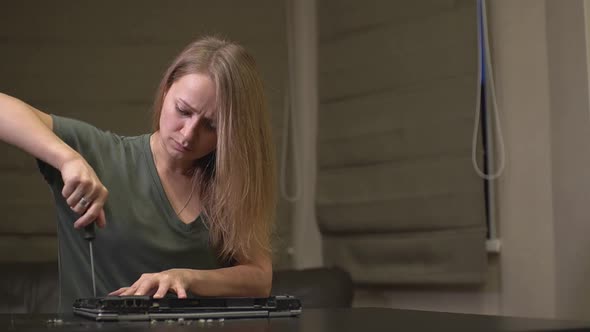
point(92, 268)
point(89, 235)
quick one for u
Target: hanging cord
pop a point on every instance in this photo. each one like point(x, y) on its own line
point(288, 123)
point(482, 36)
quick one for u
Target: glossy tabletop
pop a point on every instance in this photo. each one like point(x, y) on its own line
point(336, 320)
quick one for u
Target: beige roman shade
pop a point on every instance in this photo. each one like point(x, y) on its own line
point(398, 201)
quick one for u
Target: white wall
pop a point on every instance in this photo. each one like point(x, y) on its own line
point(541, 56)
point(302, 45)
point(524, 192)
point(570, 148)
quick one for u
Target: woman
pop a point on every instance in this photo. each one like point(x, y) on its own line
point(189, 207)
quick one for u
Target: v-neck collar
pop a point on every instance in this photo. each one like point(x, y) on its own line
point(172, 218)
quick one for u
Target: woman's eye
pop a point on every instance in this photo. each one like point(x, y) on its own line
point(182, 112)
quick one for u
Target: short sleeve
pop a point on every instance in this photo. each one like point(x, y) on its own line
point(91, 142)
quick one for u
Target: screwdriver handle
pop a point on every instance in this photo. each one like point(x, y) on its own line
point(89, 232)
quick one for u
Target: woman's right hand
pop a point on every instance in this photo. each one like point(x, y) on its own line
point(25, 126)
point(83, 191)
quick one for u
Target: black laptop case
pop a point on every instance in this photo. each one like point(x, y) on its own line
point(124, 308)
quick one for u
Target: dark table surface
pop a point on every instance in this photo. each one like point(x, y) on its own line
point(337, 320)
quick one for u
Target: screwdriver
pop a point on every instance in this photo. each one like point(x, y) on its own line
point(89, 236)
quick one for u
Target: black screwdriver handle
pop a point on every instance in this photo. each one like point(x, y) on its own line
point(89, 232)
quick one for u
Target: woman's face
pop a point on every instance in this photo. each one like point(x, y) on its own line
point(188, 121)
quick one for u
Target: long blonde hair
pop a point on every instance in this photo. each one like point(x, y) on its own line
point(238, 180)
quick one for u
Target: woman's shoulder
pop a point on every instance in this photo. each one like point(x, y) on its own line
point(90, 140)
point(70, 128)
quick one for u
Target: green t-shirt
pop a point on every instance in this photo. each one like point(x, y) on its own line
point(143, 233)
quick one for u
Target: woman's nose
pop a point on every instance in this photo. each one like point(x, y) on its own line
point(189, 131)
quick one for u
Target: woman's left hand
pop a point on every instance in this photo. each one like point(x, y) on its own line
point(158, 284)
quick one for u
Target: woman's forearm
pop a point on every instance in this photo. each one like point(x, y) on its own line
point(22, 126)
point(240, 280)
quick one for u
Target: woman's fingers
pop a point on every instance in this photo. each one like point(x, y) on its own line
point(101, 221)
point(146, 286)
point(156, 285)
point(178, 288)
point(128, 291)
point(81, 191)
point(93, 209)
point(69, 186)
point(131, 289)
point(118, 291)
point(84, 192)
point(89, 216)
point(163, 287)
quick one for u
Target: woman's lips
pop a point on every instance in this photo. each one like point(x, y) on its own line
point(177, 146)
